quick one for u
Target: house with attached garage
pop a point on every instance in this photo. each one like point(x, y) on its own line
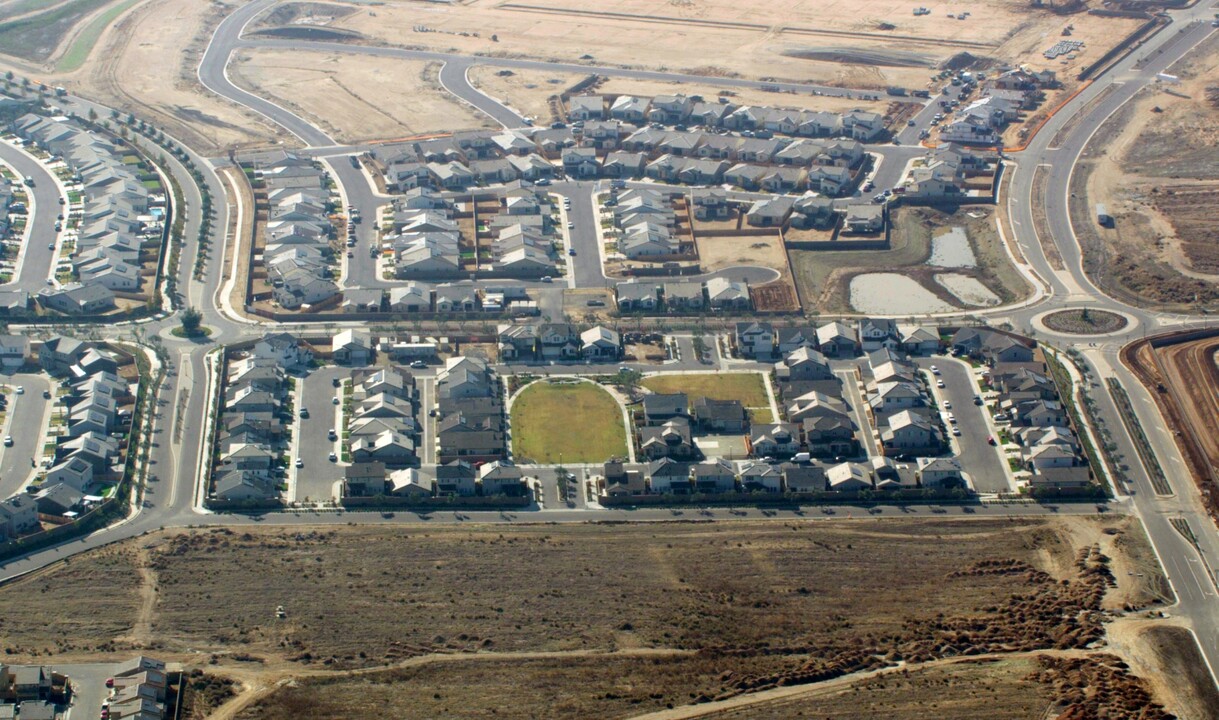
point(411, 298)
point(714, 477)
point(723, 294)
point(284, 349)
point(393, 449)
point(517, 342)
point(835, 339)
point(14, 350)
point(908, 432)
point(602, 135)
point(624, 164)
point(59, 353)
point(829, 436)
point(770, 212)
point(586, 107)
point(559, 341)
point(829, 180)
point(848, 477)
point(638, 296)
point(461, 297)
point(352, 347)
point(531, 167)
point(456, 478)
point(864, 219)
point(920, 340)
point(775, 440)
point(875, 333)
point(668, 476)
point(803, 363)
point(720, 416)
point(580, 162)
point(500, 478)
point(671, 439)
point(755, 339)
point(761, 477)
point(629, 108)
point(18, 515)
point(687, 296)
point(940, 472)
point(790, 339)
point(76, 299)
point(670, 109)
point(659, 408)
point(600, 344)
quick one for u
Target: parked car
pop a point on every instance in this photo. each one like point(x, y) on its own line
point(8, 441)
point(305, 413)
point(300, 463)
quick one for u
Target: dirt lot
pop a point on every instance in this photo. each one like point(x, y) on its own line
point(740, 96)
point(872, 43)
point(824, 277)
point(701, 612)
point(1155, 166)
point(1190, 378)
point(356, 98)
point(146, 61)
point(526, 91)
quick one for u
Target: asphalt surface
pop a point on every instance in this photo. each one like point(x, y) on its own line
point(27, 425)
point(36, 258)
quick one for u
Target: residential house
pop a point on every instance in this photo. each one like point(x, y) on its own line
point(720, 416)
point(724, 294)
point(829, 436)
point(940, 472)
point(352, 347)
point(600, 344)
point(761, 477)
point(755, 340)
point(775, 440)
point(714, 477)
point(804, 364)
point(875, 333)
point(669, 476)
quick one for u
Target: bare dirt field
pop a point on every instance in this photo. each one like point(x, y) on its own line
point(146, 62)
point(529, 92)
point(1187, 373)
point(1155, 166)
point(356, 98)
point(511, 620)
point(866, 44)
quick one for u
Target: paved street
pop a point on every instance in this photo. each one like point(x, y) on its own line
point(984, 462)
point(37, 256)
point(27, 425)
point(316, 480)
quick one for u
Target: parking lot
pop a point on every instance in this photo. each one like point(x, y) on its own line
point(317, 479)
point(26, 422)
point(981, 460)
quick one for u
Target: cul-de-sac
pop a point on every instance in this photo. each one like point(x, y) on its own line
point(623, 359)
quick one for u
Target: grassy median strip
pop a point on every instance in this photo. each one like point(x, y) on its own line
point(1141, 444)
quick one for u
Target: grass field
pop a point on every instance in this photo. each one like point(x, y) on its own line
point(569, 422)
point(35, 37)
point(82, 45)
point(746, 387)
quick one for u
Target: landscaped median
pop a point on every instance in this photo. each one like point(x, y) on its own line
point(566, 420)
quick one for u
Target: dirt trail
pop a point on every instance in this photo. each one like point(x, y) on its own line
point(259, 684)
point(141, 631)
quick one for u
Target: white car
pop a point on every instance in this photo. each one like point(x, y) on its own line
point(8, 441)
point(952, 419)
point(947, 405)
point(956, 432)
point(940, 384)
point(300, 463)
point(20, 390)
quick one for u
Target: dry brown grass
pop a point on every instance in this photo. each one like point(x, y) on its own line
point(356, 97)
point(994, 689)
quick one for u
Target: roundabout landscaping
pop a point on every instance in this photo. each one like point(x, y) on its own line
point(1084, 321)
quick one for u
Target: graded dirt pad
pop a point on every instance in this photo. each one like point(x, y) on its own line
point(1154, 165)
point(147, 61)
point(722, 37)
point(355, 98)
point(529, 92)
point(1190, 398)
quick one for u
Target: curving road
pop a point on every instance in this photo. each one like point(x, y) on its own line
point(36, 259)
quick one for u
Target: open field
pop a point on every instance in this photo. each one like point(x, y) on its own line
point(990, 688)
point(356, 98)
point(860, 44)
point(746, 387)
point(700, 611)
point(1155, 167)
point(563, 588)
point(824, 277)
point(1187, 373)
point(526, 91)
point(35, 36)
point(575, 422)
